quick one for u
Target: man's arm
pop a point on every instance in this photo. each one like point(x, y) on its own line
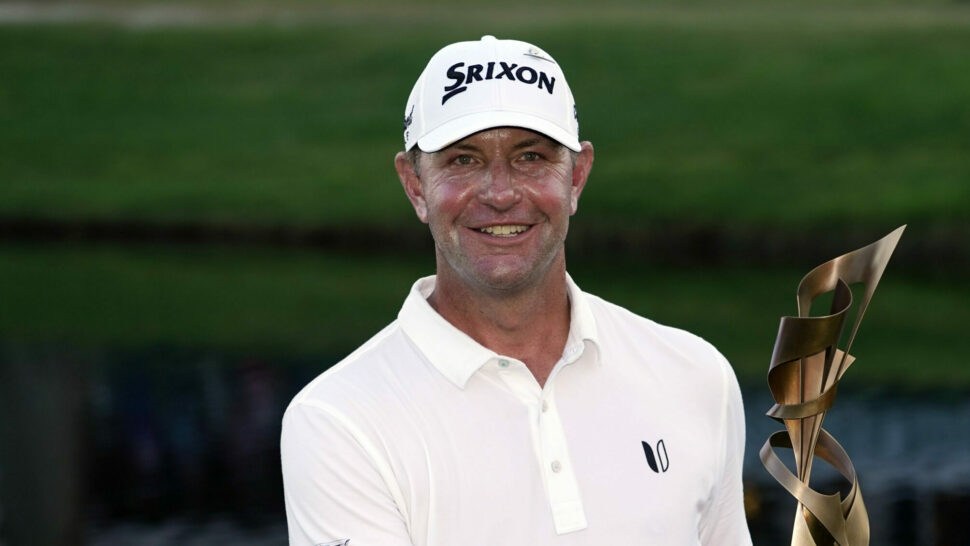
point(334, 487)
point(723, 521)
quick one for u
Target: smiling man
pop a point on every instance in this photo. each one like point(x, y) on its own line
point(505, 405)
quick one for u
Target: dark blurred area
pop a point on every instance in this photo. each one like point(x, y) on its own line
point(124, 437)
point(125, 448)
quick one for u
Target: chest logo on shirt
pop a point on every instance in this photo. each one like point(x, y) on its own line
point(659, 462)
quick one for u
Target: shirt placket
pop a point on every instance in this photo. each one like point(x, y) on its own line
point(549, 441)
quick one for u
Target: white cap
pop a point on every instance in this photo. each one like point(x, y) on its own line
point(471, 86)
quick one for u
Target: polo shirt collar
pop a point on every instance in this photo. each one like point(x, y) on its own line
point(456, 355)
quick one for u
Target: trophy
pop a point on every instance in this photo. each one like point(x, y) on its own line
point(806, 366)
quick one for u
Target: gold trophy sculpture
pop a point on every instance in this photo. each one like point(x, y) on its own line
point(805, 370)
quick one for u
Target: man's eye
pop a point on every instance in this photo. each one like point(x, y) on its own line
point(531, 156)
point(463, 159)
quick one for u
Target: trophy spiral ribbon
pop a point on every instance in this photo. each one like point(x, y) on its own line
point(805, 370)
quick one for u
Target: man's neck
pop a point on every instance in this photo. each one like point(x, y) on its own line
point(530, 325)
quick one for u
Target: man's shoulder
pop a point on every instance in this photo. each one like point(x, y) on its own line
point(666, 348)
point(685, 363)
point(636, 328)
point(361, 374)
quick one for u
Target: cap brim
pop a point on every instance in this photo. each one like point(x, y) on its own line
point(457, 129)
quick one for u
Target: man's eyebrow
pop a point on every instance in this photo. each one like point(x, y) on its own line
point(460, 146)
point(464, 146)
point(531, 142)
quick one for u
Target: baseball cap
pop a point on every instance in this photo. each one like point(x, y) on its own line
point(471, 86)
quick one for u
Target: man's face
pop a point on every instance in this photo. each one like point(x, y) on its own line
point(498, 204)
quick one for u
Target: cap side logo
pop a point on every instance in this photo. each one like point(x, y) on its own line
point(407, 121)
point(494, 71)
point(536, 54)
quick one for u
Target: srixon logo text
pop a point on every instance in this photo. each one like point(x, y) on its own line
point(494, 70)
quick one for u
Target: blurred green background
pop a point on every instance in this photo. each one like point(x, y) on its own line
point(217, 176)
point(774, 124)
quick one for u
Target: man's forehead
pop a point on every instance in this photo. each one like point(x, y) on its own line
point(514, 136)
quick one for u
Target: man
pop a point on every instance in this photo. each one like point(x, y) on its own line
point(504, 405)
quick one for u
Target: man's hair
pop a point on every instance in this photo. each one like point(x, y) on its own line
point(415, 153)
point(414, 158)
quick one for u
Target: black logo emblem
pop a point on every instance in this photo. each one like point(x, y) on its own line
point(407, 122)
point(660, 458)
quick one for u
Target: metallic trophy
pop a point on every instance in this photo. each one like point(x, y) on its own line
point(805, 370)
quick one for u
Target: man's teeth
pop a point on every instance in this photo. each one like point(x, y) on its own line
point(504, 231)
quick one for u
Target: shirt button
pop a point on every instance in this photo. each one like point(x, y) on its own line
point(503, 363)
point(556, 466)
point(545, 406)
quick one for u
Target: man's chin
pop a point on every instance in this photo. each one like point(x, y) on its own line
point(507, 279)
point(498, 275)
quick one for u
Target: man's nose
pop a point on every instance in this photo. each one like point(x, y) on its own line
point(500, 190)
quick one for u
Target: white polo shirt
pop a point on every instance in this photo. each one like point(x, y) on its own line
point(424, 437)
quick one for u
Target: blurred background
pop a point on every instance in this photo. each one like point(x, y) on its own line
point(199, 214)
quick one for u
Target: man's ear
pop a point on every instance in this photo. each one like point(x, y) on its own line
point(412, 185)
point(584, 164)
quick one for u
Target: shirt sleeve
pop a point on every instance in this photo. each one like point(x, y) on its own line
point(334, 486)
point(723, 521)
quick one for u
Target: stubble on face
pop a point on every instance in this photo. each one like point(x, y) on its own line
point(499, 177)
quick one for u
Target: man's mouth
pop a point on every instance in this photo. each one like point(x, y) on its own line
point(510, 230)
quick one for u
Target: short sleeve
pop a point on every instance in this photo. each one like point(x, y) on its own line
point(723, 521)
point(333, 484)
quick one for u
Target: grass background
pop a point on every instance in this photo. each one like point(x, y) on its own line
point(770, 119)
point(314, 304)
point(783, 120)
